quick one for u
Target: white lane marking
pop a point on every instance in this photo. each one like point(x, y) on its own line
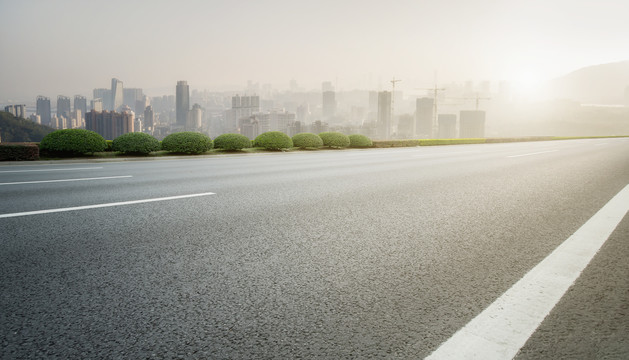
point(64, 180)
point(37, 212)
point(504, 326)
point(601, 144)
point(448, 153)
point(529, 154)
point(69, 169)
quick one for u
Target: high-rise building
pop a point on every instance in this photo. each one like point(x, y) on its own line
point(109, 124)
point(423, 117)
point(96, 105)
point(43, 110)
point(19, 111)
point(141, 104)
point(328, 109)
point(105, 96)
point(117, 93)
point(447, 126)
point(384, 115)
point(183, 102)
point(80, 103)
point(194, 117)
point(149, 119)
point(472, 124)
point(64, 107)
point(130, 96)
point(242, 106)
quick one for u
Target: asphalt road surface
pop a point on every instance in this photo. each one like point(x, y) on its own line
point(378, 253)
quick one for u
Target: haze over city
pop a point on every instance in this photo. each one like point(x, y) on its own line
point(71, 47)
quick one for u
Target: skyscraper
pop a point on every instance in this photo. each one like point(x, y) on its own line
point(195, 116)
point(96, 104)
point(384, 115)
point(447, 126)
point(329, 105)
point(43, 110)
point(130, 96)
point(80, 103)
point(18, 110)
point(182, 102)
point(64, 107)
point(472, 124)
point(105, 96)
point(149, 119)
point(116, 94)
point(423, 117)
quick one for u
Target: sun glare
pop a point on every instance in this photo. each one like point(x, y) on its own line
point(527, 83)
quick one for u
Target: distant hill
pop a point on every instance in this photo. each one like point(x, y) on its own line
point(14, 129)
point(598, 84)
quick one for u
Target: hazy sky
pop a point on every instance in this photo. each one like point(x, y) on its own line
point(53, 47)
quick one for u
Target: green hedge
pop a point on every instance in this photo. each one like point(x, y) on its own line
point(307, 140)
point(136, 143)
point(334, 139)
point(232, 142)
point(394, 143)
point(19, 152)
point(359, 141)
point(274, 140)
point(73, 142)
point(187, 142)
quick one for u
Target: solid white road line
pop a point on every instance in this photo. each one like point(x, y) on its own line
point(102, 205)
point(68, 169)
point(529, 154)
point(64, 180)
point(504, 326)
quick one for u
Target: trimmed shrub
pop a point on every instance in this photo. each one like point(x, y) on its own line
point(274, 140)
point(136, 143)
point(232, 142)
point(359, 141)
point(73, 142)
point(18, 152)
point(307, 140)
point(394, 143)
point(187, 142)
point(432, 142)
point(334, 139)
point(110, 145)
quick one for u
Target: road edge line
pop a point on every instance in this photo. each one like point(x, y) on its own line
point(500, 330)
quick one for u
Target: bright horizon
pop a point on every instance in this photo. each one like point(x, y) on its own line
point(69, 47)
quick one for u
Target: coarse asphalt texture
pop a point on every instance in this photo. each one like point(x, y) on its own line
point(380, 253)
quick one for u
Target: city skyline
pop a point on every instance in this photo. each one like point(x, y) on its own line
point(218, 45)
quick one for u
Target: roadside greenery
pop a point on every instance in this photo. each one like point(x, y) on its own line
point(136, 143)
point(72, 142)
point(19, 152)
point(334, 139)
point(359, 141)
point(274, 140)
point(307, 140)
point(232, 142)
point(187, 142)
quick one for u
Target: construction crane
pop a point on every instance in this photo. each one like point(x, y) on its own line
point(477, 98)
point(435, 91)
point(393, 81)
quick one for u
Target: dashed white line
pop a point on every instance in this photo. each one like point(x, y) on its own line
point(504, 326)
point(529, 154)
point(66, 180)
point(68, 169)
point(48, 211)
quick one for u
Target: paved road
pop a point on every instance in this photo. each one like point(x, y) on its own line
point(380, 253)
